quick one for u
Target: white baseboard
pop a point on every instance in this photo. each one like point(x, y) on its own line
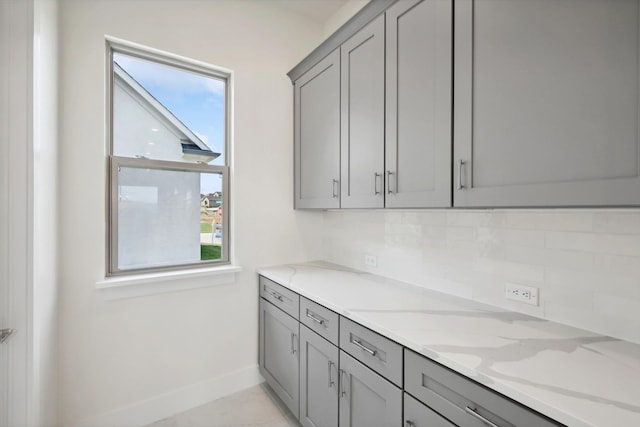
point(176, 401)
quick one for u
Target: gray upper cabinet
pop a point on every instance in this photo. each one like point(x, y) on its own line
point(367, 399)
point(418, 104)
point(362, 125)
point(546, 103)
point(317, 135)
point(279, 352)
point(318, 380)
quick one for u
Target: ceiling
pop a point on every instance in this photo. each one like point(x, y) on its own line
point(316, 10)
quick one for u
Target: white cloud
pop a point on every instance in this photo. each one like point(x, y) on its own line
point(146, 72)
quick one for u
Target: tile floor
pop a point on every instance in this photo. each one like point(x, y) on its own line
point(256, 407)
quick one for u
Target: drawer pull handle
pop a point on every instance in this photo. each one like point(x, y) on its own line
point(315, 318)
point(361, 346)
point(410, 423)
point(276, 296)
point(473, 413)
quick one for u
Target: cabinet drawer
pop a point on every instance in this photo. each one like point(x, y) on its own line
point(377, 352)
point(418, 415)
point(319, 319)
point(462, 400)
point(283, 298)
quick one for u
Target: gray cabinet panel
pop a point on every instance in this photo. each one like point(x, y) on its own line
point(318, 380)
point(546, 103)
point(279, 352)
point(367, 399)
point(283, 298)
point(319, 319)
point(377, 352)
point(418, 415)
point(317, 135)
point(461, 400)
point(418, 104)
point(362, 126)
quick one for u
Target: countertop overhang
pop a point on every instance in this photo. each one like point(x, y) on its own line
point(576, 377)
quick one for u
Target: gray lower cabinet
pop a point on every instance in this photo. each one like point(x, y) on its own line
point(279, 353)
point(318, 380)
point(317, 135)
point(461, 400)
point(418, 415)
point(418, 104)
point(546, 103)
point(362, 122)
point(367, 399)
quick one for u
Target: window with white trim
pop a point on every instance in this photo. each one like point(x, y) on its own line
point(168, 163)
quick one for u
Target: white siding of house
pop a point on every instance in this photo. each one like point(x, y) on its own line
point(160, 230)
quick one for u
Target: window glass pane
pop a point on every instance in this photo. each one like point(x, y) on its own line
point(167, 113)
point(168, 217)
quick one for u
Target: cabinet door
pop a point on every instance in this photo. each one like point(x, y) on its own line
point(418, 415)
point(318, 380)
point(279, 353)
point(367, 399)
point(418, 104)
point(362, 147)
point(546, 103)
point(317, 135)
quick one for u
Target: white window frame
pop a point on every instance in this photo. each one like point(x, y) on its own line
point(116, 162)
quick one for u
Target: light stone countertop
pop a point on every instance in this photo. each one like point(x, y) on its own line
point(573, 376)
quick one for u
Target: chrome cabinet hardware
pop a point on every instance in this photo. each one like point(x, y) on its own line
point(315, 318)
point(361, 346)
point(389, 190)
point(409, 423)
point(376, 175)
point(461, 164)
point(5, 334)
point(343, 389)
point(276, 295)
point(293, 339)
point(473, 413)
point(331, 382)
point(335, 185)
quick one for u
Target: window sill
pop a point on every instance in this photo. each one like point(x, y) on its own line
point(171, 281)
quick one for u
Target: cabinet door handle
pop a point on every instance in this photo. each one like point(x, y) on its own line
point(376, 175)
point(410, 423)
point(343, 389)
point(361, 346)
point(473, 413)
point(335, 183)
point(331, 382)
point(315, 318)
point(461, 164)
point(293, 339)
point(389, 190)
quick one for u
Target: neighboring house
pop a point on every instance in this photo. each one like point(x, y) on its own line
point(142, 126)
point(204, 202)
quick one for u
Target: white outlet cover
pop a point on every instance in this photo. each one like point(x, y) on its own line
point(521, 293)
point(371, 260)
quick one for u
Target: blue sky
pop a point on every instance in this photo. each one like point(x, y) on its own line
point(198, 101)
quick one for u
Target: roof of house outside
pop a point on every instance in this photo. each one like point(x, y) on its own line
point(190, 142)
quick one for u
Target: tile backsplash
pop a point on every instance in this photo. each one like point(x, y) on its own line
point(586, 263)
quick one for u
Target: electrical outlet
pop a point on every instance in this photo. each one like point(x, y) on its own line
point(521, 293)
point(371, 260)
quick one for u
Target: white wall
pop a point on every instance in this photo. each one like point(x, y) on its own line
point(119, 358)
point(342, 15)
point(585, 262)
point(45, 214)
